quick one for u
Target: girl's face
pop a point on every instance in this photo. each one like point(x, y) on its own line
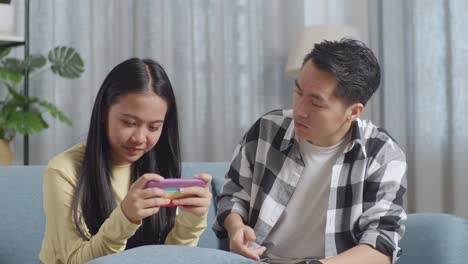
point(134, 125)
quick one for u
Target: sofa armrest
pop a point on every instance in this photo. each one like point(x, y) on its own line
point(434, 238)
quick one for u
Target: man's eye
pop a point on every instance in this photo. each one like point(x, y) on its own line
point(317, 105)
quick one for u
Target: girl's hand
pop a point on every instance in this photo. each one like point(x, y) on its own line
point(200, 198)
point(139, 202)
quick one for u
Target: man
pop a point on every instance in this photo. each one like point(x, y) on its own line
point(317, 184)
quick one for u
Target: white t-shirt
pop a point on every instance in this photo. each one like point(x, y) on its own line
point(300, 232)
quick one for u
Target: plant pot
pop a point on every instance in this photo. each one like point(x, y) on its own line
point(7, 18)
point(6, 154)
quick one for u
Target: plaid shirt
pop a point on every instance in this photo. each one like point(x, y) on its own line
point(368, 182)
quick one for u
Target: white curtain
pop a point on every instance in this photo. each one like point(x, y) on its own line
point(425, 59)
point(421, 45)
point(225, 59)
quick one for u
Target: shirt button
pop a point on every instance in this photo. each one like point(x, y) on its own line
point(273, 219)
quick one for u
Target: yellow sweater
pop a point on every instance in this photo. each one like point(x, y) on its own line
point(62, 242)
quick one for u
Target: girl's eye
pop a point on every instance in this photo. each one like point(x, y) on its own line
point(154, 129)
point(129, 123)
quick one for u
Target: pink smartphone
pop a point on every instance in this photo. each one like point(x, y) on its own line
point(172, 187)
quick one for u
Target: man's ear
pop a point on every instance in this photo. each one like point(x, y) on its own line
point(355, 111)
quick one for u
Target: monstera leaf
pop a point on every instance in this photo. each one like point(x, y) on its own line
point(55, 112)
point(66, 62)
point(20, 113)
point(34, 62)
point(11, 69)
point(26, 122)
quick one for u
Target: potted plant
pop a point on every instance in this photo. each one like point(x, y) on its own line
point(24, 114)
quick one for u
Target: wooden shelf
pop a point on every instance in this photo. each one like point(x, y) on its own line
point(7, 41)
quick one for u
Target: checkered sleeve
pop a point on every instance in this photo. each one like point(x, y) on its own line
point(381, 224)
point(236, 191)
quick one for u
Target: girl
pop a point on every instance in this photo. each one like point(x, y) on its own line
point(94, 196)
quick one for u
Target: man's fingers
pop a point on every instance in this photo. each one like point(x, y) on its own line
point(249, 253)
point(249, 234)
point(259, 250)
point(239, 247)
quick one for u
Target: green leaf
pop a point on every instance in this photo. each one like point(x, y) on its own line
point(9, 76)
point(34, 62)
point(11, 70)
point(15, 94)
point(20, 97)
point(66, 62)
point(26, 122)
point(13, 65)
point(55, 112)
point(4, 52)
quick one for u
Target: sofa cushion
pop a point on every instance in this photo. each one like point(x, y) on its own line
point(173, 255)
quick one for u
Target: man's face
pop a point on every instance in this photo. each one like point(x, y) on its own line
point(320, 117)
point(134, 125)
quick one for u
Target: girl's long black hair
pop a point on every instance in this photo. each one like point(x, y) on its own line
point(94, 199)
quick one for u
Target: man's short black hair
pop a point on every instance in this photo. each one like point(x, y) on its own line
point(354, 65)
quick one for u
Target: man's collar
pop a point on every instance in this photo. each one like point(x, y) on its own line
point(289, 137)
point(356, 137)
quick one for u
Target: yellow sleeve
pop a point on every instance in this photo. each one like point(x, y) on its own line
point(187, 229)
point(62, 242)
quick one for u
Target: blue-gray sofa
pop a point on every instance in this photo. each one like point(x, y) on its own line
point(430, 238)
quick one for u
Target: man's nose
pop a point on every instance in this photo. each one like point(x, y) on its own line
point(300, 108)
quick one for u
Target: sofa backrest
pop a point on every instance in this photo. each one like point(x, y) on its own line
point(22, 219)
point(21, 214)
point(217, 170)
point(433, 238)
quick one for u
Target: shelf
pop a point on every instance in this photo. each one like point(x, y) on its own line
point(7, 41)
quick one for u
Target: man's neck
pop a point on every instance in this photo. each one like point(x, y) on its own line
point(334, 139)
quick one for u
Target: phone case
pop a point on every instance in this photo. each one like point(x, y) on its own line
point(172, 187)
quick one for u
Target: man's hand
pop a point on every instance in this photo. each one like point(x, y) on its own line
point(240, 236)
point(239, 243)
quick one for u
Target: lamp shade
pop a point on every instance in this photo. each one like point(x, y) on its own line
point(309, 36)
